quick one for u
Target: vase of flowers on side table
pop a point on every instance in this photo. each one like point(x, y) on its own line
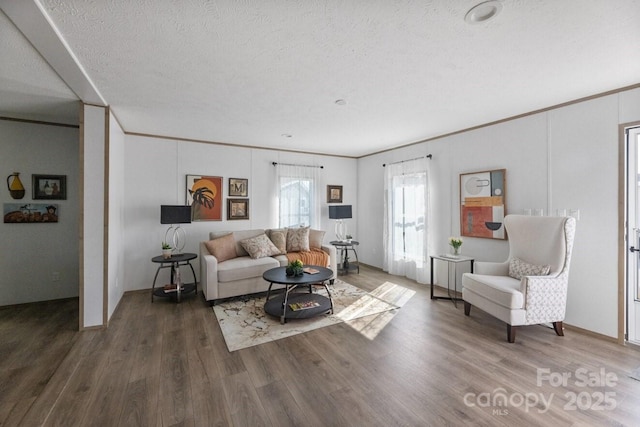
point(455, 243)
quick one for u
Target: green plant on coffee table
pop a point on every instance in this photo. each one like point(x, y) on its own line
point(294, 268)
point(165, 246)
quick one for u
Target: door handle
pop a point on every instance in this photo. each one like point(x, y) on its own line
point(632, 249)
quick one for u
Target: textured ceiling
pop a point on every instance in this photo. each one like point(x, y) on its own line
point(29, 88)
point(254, 72)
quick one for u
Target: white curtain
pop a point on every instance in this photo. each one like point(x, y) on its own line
point(299, 195)
point(406, 219)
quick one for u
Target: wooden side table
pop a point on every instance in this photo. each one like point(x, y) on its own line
point(455, 260)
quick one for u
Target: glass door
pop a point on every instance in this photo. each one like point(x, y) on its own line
point(632, 294)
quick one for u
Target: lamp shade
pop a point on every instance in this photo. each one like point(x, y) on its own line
point(175, 214)
point(340, 211)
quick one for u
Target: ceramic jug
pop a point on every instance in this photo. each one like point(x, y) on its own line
point(16, 189)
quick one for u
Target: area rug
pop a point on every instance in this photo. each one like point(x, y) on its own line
point(244, 323)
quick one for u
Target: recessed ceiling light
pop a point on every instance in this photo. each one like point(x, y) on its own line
point(483, 12)
point(341, 102)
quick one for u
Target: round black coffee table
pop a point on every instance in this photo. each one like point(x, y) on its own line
point(298, 305)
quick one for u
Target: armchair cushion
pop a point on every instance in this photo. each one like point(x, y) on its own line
point(519, 268)
point(502, 290)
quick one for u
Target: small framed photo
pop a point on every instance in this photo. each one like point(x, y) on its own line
point(51, 187)
point(334, 193)
point(237, 209)
point(238, 187)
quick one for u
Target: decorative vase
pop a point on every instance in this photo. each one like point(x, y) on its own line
point(298, 272)
point(16, 189)
point(456, 250)
point(166, 253)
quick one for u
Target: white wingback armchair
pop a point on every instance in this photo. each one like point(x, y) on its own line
point(531, 286)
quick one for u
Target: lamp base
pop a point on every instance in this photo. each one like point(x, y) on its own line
point(341, 230)
point(178, 243)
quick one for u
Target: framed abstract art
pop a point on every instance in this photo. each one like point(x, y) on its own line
point(482, 204)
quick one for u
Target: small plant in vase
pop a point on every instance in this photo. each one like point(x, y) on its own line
point(166, 250)
point(455, 243)
point(295, 268)
point(349, 238)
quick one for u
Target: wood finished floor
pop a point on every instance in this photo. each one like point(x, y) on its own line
point(166, 364)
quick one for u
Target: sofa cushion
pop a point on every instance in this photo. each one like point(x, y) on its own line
point(315, 238)
point(518, 269)
point(297, 239)
point(502, 290)
point(223, 248)
point(245, 267)
point(279, 238)
point(259, 246)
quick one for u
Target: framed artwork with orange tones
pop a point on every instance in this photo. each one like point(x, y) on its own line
point(482, 204)
point(204, 195)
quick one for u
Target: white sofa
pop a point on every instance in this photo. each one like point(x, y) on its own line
point(241, 275)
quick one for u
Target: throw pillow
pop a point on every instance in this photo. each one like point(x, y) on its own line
point(297, 239)
point(279, 238)
point(223, 248)
point(259, 246)
point(315, 238)
point(518, 269)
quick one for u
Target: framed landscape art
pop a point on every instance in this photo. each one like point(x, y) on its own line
point(334, 193)
point(482, 204)
point(204, 195)
point(237, 209)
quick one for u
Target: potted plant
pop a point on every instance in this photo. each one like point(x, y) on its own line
point(294, 268)
point(166, 250)
point(455, 243)
point(349, 238)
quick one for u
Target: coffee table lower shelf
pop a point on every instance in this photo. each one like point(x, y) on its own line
point(275, 306)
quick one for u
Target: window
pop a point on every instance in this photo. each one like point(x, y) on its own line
point(406, 237)
point(298, 203)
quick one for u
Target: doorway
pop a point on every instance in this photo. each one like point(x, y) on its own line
point(632, 238)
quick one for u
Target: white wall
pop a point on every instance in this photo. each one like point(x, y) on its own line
point(93, 218)
point(31, 253)
point(561, 159)
point(155, 174)
point(115, 267)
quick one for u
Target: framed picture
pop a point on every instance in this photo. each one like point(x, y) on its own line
point(238, 187)
point(204, 195)
point(334, 193)
point(30, 213)
point(482, 204)
point(237, 209)
point(52, 187)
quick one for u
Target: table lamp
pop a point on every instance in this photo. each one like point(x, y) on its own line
point(175, 214)
point(339, 213)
